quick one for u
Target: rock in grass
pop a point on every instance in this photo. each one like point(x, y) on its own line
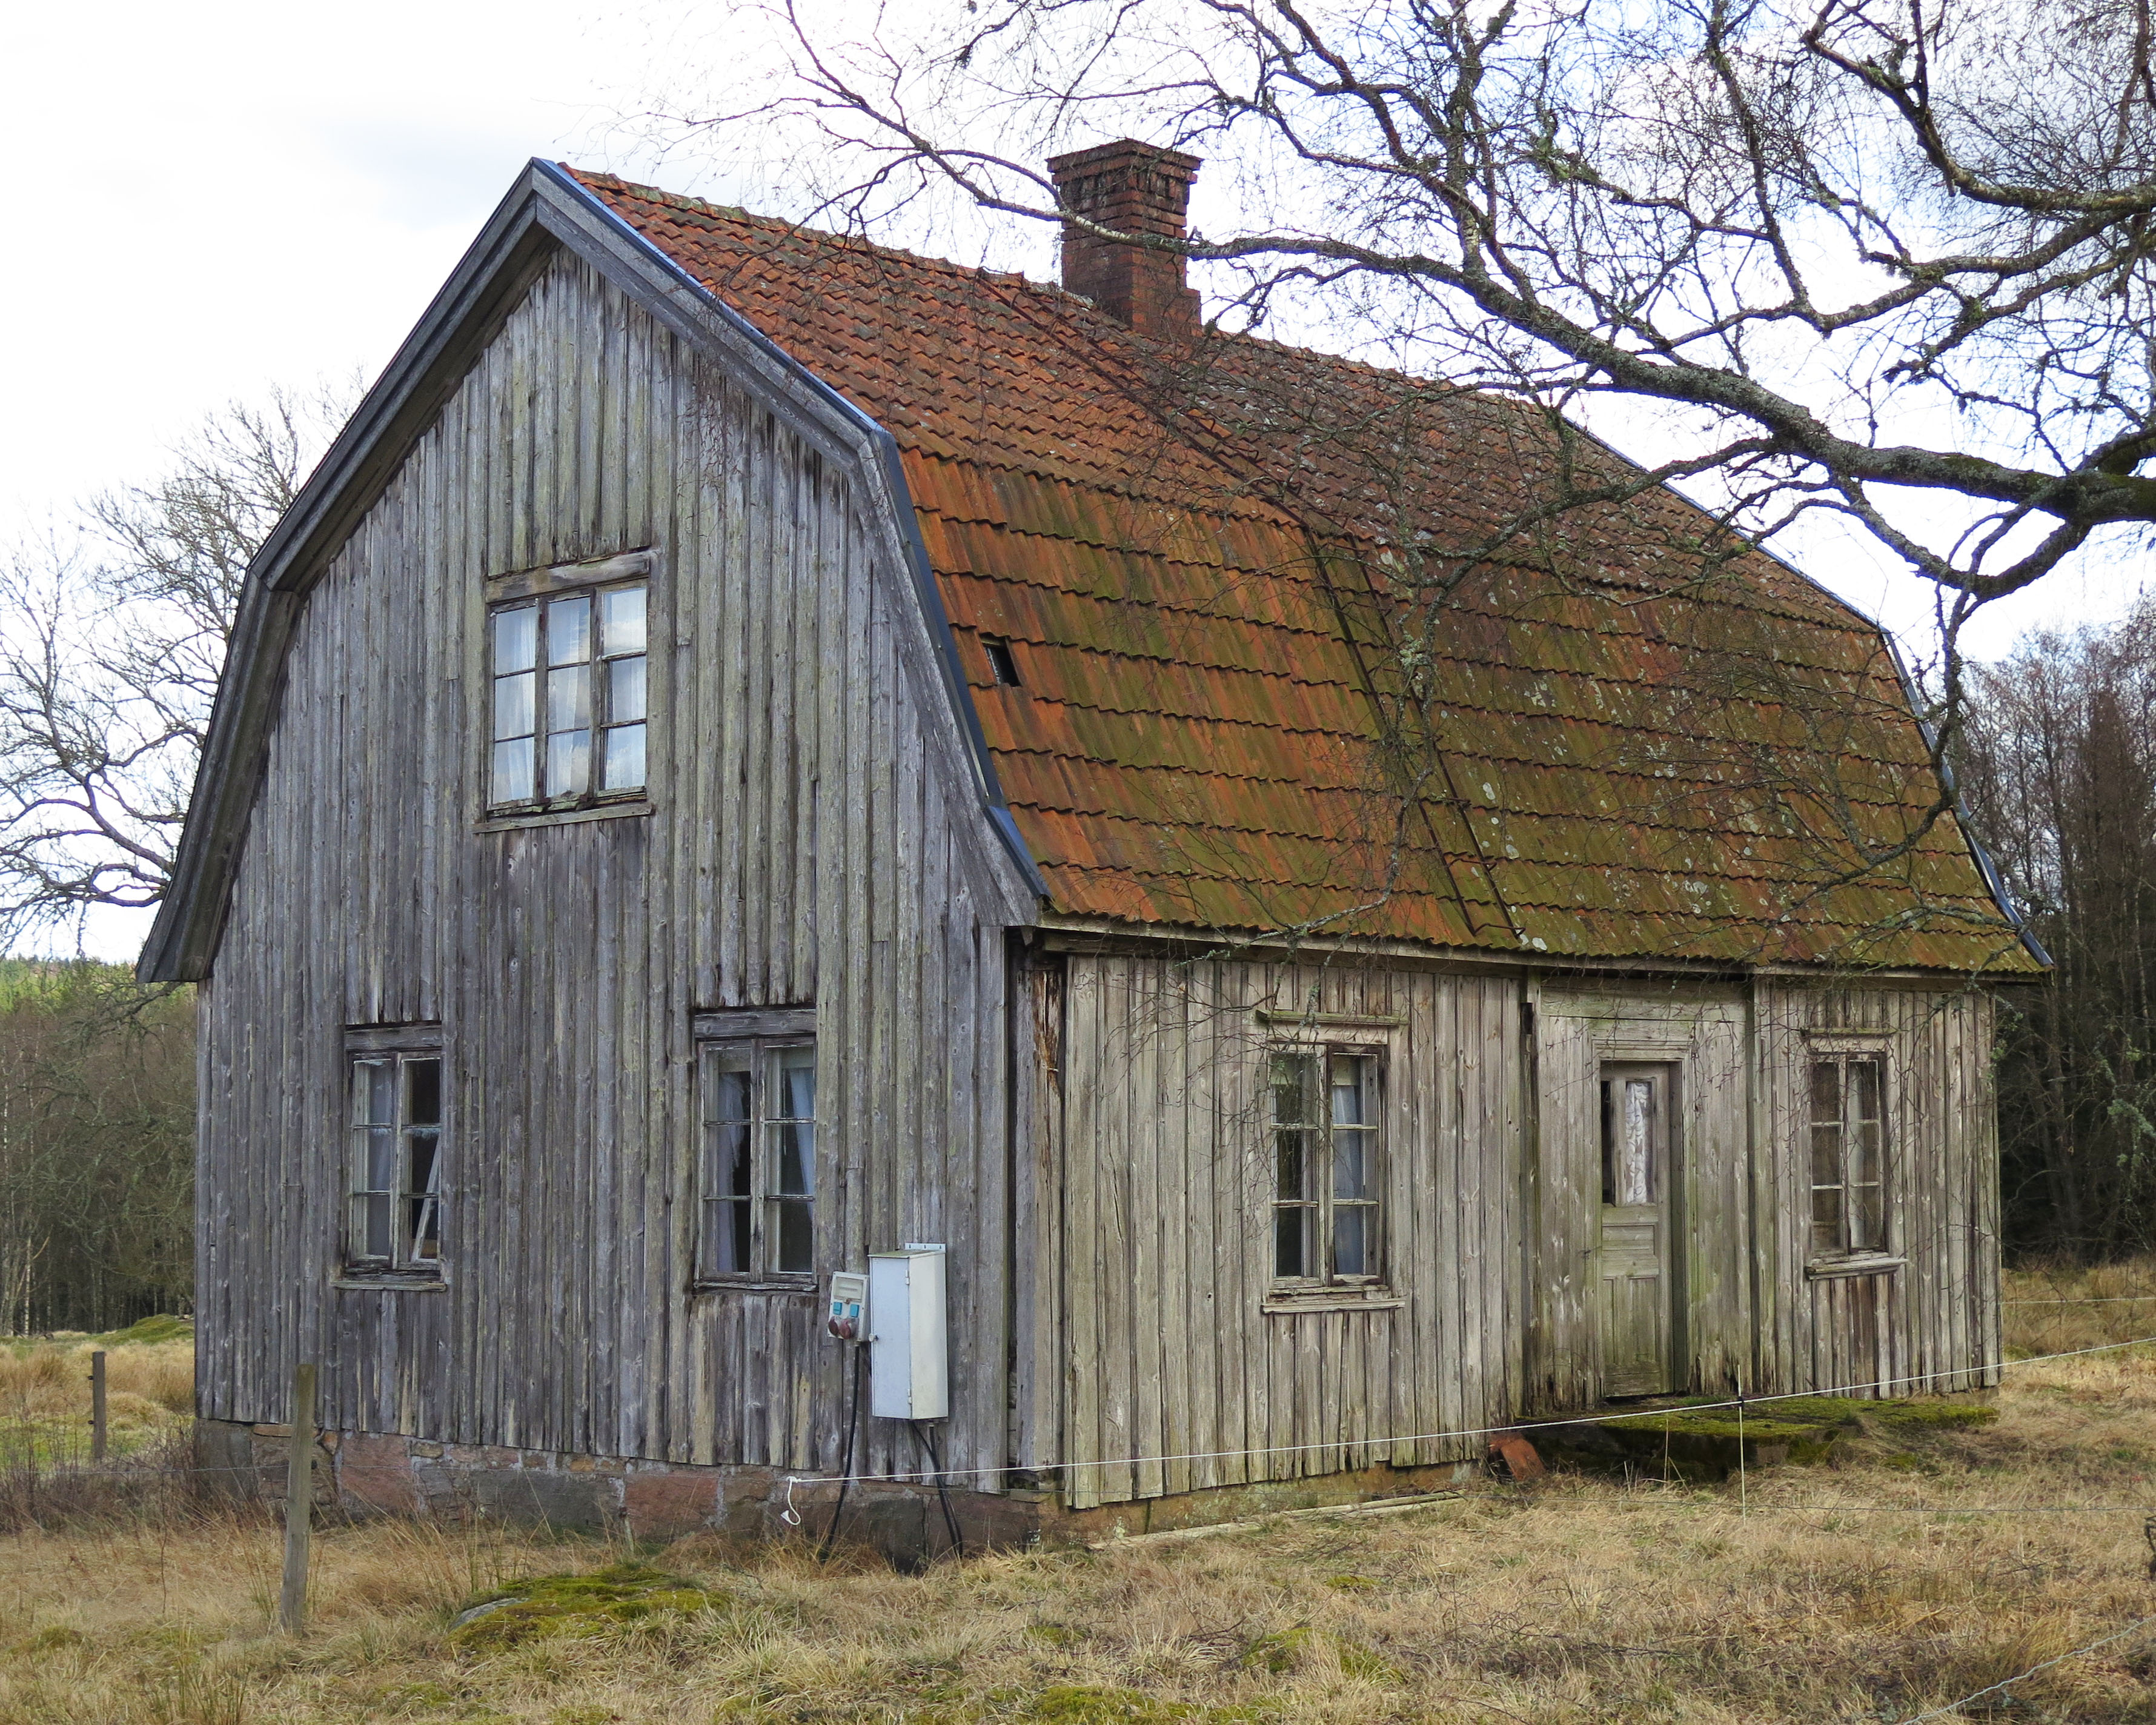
point(573, 1605)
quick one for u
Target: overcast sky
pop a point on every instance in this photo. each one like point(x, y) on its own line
point(229, 195)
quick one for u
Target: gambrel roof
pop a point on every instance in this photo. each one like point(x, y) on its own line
point(1290, 661)
point(1199, 556)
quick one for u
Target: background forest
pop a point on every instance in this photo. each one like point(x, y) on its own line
point(2058, 771)
point(96, 1147)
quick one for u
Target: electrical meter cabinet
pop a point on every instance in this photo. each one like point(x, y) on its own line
point(909, 1351)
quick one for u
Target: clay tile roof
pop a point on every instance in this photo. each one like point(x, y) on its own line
point(1263, 689)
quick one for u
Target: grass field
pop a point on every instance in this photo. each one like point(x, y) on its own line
point(1812, 1594)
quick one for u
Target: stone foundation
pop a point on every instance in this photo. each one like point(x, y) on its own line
point(364, 1473)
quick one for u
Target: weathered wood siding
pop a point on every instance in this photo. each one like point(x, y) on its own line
point(1750, 1316)
point(1702, 1033)
point(1934, 1324)
point(1164, 1225)
point(815, 838)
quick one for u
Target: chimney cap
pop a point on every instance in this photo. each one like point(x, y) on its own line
point(1073, 162)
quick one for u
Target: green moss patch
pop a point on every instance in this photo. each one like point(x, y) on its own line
point(1910, 1418)
point(574, 1604)
point(147, 1332)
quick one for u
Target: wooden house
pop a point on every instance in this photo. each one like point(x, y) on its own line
point(756, 749)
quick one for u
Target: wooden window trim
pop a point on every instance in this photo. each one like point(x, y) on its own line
point(399, 1047)
point(758, 1035)
point(539, 589)
point(1330, 1290)
point(1843, 1049)
point(564, 817)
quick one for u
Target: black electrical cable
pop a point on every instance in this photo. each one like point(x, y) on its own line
point(846, 1467)
point(950, 1516)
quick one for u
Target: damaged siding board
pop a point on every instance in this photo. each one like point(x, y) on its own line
point(800, 744)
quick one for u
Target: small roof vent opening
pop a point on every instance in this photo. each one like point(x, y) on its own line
point(1001, 667)
point(1138, 189)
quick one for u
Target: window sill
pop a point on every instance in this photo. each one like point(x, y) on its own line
point(1332, 1300)
point(362, 1280)
point(1871, 1264)
point(755, 1285)
point(564, 817)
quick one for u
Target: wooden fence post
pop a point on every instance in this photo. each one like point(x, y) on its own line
point(299, 1500)
point(97, 1405)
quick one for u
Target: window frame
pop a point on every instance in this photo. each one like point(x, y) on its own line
point(401, 1048)
point(760, 1039)
point(539, 590)
point(1843, 1054)
point(1329, 1285)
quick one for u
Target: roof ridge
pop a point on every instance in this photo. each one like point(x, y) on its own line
point(782, 224)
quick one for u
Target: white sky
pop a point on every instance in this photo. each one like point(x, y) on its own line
point(225, 196)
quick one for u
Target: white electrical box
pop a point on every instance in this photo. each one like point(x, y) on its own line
point(849, 1299)
point(908, 1347)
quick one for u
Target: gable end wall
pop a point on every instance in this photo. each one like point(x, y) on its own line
point(817, 838)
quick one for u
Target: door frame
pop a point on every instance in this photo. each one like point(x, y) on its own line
point(1668, 1182)
point(1634, 1045)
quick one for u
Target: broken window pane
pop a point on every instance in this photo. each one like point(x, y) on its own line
point(423, 1092)
point(1291, 1243)
point(797, 1238)
point(621, 620)
point(397, 1173)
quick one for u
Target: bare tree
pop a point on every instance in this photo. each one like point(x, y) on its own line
point(1885, 259)
point(111, 647)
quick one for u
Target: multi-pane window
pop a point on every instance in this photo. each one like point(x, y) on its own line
point(759, 1150)
point(568, 696)
point(396, 1128)
point(1848, 1155)
point(1325, 1166)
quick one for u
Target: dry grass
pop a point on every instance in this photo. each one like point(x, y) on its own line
point(1578, 1601)
point(2050, 1310)
point(44, 1395)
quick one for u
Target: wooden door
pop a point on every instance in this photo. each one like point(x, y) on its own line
point(1635, 1251)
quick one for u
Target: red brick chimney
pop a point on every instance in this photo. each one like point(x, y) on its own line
point(1133, 188)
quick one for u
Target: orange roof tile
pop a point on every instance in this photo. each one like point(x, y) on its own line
point(1265, 687)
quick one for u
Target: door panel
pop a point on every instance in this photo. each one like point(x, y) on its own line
point(1633, 1247)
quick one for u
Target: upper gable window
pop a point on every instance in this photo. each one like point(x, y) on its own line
point(568, 697)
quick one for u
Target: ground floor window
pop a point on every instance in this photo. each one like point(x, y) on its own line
point(759, 1108)
point(396, 1124)
point(1326, 1225)
point(1848, 1129)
